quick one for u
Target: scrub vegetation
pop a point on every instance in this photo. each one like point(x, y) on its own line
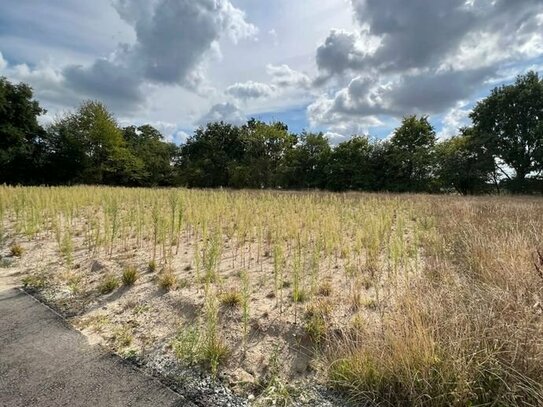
point(390, 299)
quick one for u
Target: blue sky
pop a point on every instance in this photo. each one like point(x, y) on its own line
point(343, 67)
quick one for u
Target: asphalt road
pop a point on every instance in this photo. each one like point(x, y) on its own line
point(44, 362)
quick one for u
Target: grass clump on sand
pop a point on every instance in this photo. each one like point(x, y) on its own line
point(108, 284)
point(130, 275)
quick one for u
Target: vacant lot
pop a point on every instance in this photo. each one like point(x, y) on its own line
point(399, 299)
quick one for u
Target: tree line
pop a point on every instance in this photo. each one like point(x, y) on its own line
point(501, 151)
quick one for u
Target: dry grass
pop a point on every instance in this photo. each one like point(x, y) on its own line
point(412, 300)
point(231, 299)
point(167, 280)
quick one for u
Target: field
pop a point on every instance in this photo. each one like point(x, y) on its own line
point(394, 299)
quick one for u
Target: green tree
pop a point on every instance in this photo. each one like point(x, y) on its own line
point(509, 122)
point(21, 136)
point(209, 154)
point(153, 156)
point(88, 147)
point(350, 165)
point(464, 164)
point(410, 156)
point(265, 148)
point(306, 165)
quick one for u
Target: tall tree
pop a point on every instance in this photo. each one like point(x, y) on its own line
point(265, 148)
point(410, 155)
point(87, 146)
point(510, 123)
point(350, 165)
point(21, 136)
point(154, 157)
point(208, 155)
point(305, 165)
point(464, 164)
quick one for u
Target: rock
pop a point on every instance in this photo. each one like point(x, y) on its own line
point(97, 265)
point(300, 365)
point(240, 376)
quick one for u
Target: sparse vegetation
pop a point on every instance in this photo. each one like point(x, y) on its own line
point(35, 281)
point(399, 299)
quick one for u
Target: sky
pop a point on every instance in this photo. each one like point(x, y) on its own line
point(342, 67)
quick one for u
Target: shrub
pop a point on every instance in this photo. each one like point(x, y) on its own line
point(325, 289)
point(299, 295)
point(123, 336)
point(35, 281)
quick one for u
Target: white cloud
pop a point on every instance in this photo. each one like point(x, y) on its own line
point(173, 39)
point(420, 57)
point(226, 112)
point(284, 76)
point(456, 118)
point(250, 90)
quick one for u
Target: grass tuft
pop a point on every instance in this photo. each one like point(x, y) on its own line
point(16, 250)
point(108, 284)
point(231, 299)
point(130, 275)
point(167, 280)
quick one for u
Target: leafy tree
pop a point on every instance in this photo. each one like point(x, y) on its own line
point(464, 164)
point(208, 155)
point(154, 157)
point(410, 156)
point(265, 148)
point(509, 122)
point(21, 136)
point(88, 147)
point(350, 165)
point(305, 165)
